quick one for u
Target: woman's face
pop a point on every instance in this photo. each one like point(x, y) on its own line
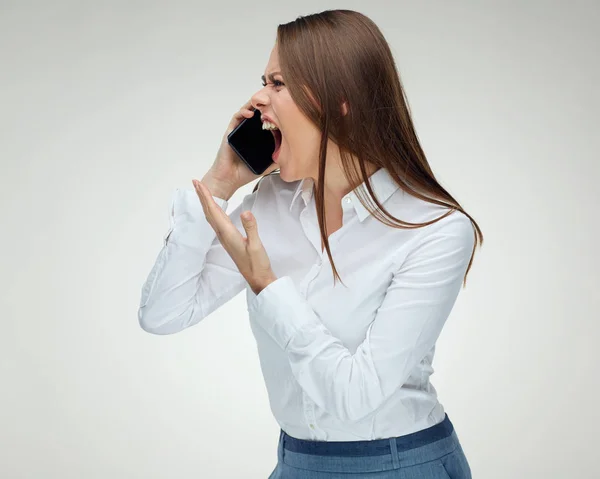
point(298, 155)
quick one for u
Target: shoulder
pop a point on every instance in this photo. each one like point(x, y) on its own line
point(448, 228)
point(453, 236)
point(407, 207)
point(459, 229)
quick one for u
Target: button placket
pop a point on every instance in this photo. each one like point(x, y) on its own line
point(309, 413)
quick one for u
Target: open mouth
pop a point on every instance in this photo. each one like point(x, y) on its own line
point(277, 136)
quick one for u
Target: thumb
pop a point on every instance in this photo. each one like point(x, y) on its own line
point(249, 223)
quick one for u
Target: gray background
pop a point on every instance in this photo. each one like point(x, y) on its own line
point(107, 107)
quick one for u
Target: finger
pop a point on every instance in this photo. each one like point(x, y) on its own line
point(244, 113)
point(218, 219)
point(251, 227)
point(209, 201)
point(229, 236)
point(199, 192)
point(208, 212)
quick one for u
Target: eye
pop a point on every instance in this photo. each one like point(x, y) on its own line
point(275, 83)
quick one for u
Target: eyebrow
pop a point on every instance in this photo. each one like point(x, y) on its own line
point(271, 76)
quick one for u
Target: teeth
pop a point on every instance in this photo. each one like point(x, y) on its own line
point(269, 126)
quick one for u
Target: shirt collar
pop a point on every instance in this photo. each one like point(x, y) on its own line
point(381, 181)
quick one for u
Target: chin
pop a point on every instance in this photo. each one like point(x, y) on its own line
point(283, 175)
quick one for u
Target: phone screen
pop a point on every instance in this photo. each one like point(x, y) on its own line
point(252, 144)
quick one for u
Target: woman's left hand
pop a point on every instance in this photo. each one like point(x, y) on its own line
point(248, 254)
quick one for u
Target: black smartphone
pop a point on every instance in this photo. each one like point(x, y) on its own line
point(252, 144)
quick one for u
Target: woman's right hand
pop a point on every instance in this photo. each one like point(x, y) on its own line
point(228, 169)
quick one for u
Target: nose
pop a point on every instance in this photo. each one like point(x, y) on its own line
point(260, 100)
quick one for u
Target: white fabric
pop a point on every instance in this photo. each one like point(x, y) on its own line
point(340, 363)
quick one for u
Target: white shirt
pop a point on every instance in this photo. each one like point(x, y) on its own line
point(340, 364)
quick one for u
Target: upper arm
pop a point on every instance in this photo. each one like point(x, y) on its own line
point(419, 299)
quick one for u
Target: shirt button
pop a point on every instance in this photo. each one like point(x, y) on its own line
point(348, 200)
point(312, 426)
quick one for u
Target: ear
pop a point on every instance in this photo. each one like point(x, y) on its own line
point(344, 108)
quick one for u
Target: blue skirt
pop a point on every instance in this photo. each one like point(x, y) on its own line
point(433, 453)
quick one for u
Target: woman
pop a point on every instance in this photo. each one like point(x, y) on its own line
point(346, 366)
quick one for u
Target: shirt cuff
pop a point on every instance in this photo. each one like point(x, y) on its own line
point(281, 310)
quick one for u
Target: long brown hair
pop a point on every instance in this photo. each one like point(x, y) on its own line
point(341, 56)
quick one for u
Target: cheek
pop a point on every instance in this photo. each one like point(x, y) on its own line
point(299, 134)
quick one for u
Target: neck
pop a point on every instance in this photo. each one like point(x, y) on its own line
point(336, 184)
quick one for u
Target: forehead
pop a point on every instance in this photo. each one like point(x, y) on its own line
point(273, 63)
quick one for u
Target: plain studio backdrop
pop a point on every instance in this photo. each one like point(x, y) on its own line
point(107, 107)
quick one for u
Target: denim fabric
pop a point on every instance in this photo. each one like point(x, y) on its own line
point(433, 453)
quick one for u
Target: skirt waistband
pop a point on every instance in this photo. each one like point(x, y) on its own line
point(376, 447)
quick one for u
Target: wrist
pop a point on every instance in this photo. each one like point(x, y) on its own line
point(258, 285)
point(218, 188)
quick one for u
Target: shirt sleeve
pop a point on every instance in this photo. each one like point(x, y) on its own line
point(417, 302)
point(193, 274)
